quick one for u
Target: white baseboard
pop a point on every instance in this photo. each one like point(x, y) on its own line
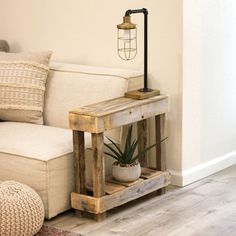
point(203, 170)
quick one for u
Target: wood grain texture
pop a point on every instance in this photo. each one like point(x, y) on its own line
point(85, 203)
point(110, 187)
point(206, 208)
point(142, 135)
point(142, 95)
point(102, 204)
point(97, 118)
point(124, 132)
point(149, 173)
point(98, 169)
point(127, 184)
point(79, 161)
point(160, 148)
point(114, 105)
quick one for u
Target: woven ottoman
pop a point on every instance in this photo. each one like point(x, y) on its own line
point(21, 210)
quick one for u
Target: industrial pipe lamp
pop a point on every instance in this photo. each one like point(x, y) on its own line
point(127, 49)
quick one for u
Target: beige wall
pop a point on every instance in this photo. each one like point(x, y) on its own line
point(209, 85)
point(84, 31)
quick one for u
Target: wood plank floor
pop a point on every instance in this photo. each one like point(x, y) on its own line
point(205, 208)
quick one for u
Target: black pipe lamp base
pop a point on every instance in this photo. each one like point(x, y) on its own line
point(142, 93)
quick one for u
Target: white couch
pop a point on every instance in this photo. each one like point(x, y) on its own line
point(41, 156)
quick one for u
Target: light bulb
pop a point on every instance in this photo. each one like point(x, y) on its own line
point(127, 36)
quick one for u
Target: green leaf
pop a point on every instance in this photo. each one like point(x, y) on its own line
point(113, 150)
point(145, 150)
point(117, 147)
point(113, 156)
point(132, 150)
point(126, 156)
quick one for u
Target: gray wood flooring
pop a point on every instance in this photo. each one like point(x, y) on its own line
point(204, 208)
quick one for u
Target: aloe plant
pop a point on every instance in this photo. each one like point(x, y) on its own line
point(127, 157)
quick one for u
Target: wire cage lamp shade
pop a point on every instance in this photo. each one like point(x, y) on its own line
point(127, 39)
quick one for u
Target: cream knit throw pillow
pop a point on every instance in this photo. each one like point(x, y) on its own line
point(22, 86)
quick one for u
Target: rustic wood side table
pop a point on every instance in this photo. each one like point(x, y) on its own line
point(96, 119)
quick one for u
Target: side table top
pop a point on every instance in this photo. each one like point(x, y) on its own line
point(109, 114)
point(114, 105)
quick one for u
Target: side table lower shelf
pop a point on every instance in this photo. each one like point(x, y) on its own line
point(120, 193)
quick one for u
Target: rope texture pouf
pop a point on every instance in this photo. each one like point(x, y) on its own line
point(21, 210)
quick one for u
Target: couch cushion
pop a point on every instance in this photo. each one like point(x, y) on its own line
point(53, 180)
point(22, 86)
point(33, 141)
point(42, 157)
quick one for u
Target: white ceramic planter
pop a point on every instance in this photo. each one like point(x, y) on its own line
point(126, 174)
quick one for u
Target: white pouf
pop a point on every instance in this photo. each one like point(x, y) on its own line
point(21, 210)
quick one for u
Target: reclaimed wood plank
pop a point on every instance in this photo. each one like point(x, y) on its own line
point(99, 205)
point(98, 169)
point(147, 173)
point(160, 148)
point(85, 203)
point(114, 105)
point(124, 132)
point(134, 192)
point(110, 187)
point(127, 184)
point(136, 94)
point(83, 122)
point(142, 135)
point(96, 120)
point(79, 163)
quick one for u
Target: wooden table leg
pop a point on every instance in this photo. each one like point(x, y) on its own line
point(160, 148)
point(98, 170)
point(142, 134)
point(79, 163)
point(124, 132)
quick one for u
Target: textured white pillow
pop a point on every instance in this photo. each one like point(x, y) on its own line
point(22, 86)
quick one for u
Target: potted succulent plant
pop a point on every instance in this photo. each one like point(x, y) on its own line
point(126, 168)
